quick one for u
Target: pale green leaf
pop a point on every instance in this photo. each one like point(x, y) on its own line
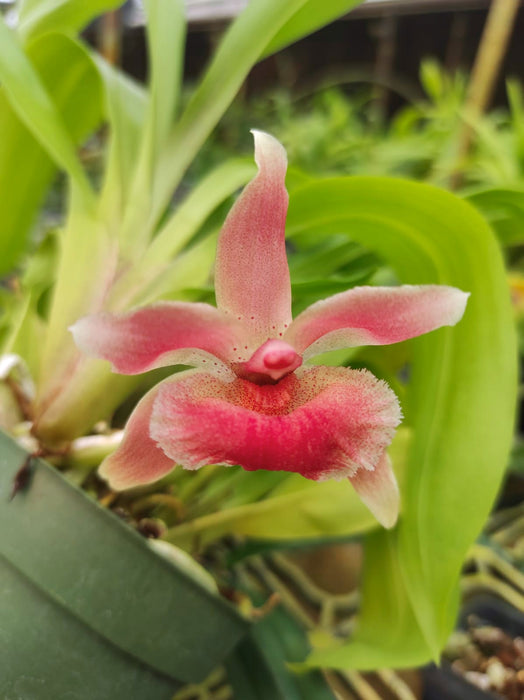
point(125, 102)
point(166, 32)
point(244, 43)
point(157, 271)
point(191, 214)
point(35, 108)
point(309, 510)
point(385, 605)
point(312, 16)
point(72, 81)
point(461, 397)
point(41, 16)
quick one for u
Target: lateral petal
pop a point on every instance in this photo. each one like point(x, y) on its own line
point(251, 272)
point(138, 460)
point(378, 489)
point(375, 316)
point(159, 335)
point(326, 422)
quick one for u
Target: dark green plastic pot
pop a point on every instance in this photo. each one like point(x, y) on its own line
point(87, 609)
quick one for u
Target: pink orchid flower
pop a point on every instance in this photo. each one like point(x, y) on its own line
point(252, 401)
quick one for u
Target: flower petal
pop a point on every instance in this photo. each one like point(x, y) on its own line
point(326, 422)
point(251, 273)
point(163, 334)
point(375, 316)
point(138, 460)
point(378, 489)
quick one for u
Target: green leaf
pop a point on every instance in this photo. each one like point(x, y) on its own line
point(308, 510)
point(432, 79)
point(41, 16)
point(461, 397)
point(35, 108)
point(313, 15)
point(516, 104)
point(192, 213)
point(385, 605)
point(126, 103)
point(155, 273)
point(243, 45)
point(503, 207)
point(86, 579)
point(68, 74)
point(166, 32)
point(257, 668)
point(25, 327)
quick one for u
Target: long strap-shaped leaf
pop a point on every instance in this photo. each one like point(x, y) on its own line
point(461, 401)
point(248, 38)
point(40, 16)
point(166, 32)
point(73, 82)
point(36, 109)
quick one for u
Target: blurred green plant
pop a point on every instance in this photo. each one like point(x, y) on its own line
point(334, 129)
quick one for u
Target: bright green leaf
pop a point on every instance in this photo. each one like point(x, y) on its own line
point(166, 32)
point(125, 102)
point(72, 81)
point(242, 46)
point(35, 108)
point(462, 393)
point(191, 214)
point(312, 16)
point(385, 605)
point(503, 207)
point(40, 16)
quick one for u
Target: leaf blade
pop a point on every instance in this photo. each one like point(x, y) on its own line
point(461, 442)
point(36, 110)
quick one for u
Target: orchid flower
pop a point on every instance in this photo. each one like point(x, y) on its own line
point(253, 400)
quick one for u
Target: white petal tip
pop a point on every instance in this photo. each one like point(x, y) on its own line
point(269, 152)
point(378, 490)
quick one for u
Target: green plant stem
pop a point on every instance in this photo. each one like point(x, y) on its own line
point(188, 489)
point(479, 581)
point(89, 451)
point(510, 533)
point(396, 684)
point(486, 555)
point(360, 684)
point(159, 499)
